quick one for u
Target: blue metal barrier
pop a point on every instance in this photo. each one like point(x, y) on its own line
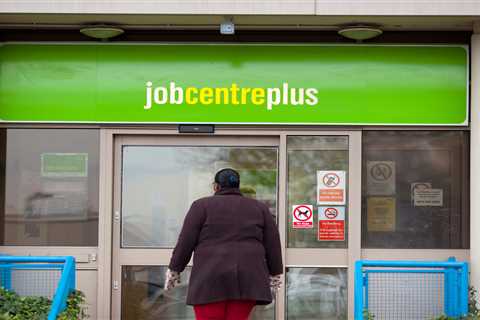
point(414, 290)
point(56, 274)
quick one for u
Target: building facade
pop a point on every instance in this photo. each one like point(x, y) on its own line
point(362, 150)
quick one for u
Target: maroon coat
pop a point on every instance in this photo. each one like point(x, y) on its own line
point(236, 245)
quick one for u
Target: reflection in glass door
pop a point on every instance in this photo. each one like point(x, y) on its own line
point(157, 179)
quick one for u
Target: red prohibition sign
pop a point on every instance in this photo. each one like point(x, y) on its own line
point(306, 213)
point(331, 180)
point(331, 213)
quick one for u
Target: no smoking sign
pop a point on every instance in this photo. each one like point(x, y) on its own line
point(331, 213)
point(331, 223)
point(302, 215)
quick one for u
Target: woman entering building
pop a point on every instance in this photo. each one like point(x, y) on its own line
point(237, 259)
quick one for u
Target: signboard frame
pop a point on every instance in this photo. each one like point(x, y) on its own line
point(4, 118)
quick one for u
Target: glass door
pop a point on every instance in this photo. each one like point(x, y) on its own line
point(322, 224)
point(156, 180)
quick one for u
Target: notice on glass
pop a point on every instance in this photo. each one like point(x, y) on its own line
point(418, 186)
point(331, 187)
point(63, 165)
point(331, 223)
point(302, 216)
point(428, 197)
point(380, 178)
point(381, 214)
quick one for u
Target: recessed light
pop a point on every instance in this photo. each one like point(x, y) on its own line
point(102, 32)
point(360, 32)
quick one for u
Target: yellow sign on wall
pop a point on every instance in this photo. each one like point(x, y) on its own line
point(381, 214)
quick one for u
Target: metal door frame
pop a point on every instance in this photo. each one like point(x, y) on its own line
point(159, 256)
point(329, 257)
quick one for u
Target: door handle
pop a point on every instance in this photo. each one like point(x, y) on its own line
point(116, 216)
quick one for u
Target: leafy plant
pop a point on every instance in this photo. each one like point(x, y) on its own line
point(367, 315)
point(75, 307)
point(15, 307)
point(468, 317)
point(473, 304)
point(473, 308)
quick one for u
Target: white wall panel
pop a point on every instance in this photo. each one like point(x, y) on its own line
point(250, 7)
point(398, 7)
point(303, 7)
point(475, 159)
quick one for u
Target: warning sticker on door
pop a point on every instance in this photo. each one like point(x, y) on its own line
point(428, 197)
point(331, 187)
point(381, 178)
point(302, 215)
point(418, 186)
point(331, 223)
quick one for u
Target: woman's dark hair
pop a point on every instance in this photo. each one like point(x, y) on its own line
point(227, 178)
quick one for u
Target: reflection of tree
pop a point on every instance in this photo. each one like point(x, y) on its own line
point(239, 157)
point(254, 158)
point(257, 167)
point(248, 191)
point(263, 183)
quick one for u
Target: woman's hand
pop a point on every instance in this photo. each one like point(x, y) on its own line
point(172, 279)
point(275, 283)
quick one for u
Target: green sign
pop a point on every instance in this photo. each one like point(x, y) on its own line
point(234, 84)
point(64, 164)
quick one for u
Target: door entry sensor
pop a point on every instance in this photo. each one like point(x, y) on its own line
point(195, 128)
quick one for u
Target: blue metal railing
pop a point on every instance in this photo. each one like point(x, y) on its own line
point(66, 282)
point(411, 289)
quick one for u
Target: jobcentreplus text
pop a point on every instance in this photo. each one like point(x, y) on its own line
point(233, 95)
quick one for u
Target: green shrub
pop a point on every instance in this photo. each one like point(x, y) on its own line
point(473, 308)
point(15, 307)
point(367, 315)
point(473, 304)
